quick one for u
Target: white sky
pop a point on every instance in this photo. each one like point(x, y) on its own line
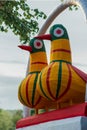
point(13, 61)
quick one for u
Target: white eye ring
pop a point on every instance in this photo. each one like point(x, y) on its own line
point(38, 44)
point(58, 32)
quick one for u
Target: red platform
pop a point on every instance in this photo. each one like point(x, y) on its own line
point(73, 111)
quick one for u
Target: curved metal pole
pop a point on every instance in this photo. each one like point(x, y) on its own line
point(81, 3)
point(53, 15)
point(50, 19)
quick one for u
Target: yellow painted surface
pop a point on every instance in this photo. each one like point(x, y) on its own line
point(77, 87)
point(30, 90)
point(60, 55)
point(37, 57)
point(64, 78)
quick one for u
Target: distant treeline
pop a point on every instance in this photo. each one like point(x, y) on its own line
point(8, 119)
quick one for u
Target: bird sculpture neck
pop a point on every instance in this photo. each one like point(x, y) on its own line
point(60, 51)
point(38, 61)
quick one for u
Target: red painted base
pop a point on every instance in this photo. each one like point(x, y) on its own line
point(73, 111)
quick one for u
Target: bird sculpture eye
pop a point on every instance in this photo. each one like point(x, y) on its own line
point(38, 44)
point(58, 32)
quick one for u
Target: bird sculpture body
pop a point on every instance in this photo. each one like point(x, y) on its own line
point(60, 81)
point(27, 93)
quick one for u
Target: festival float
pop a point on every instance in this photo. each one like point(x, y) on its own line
point(59, 87)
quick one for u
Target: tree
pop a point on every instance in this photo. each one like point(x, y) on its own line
point(16, 116)
point(9, 118)
point(20, 18)
point(5, 120)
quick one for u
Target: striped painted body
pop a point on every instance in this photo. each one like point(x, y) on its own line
point(27, 92)
point(59, 82)
point(29, 96)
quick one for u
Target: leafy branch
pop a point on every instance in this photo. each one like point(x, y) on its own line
point(18, 16)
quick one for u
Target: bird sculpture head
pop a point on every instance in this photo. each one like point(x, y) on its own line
point(57, 31)
point(60, 45)
point(38, 58)
point(35, 45)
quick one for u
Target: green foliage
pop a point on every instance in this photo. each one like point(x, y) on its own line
point(18, 16)
point(5, 121)
point(8, 119)
point(73, 7)
point(16, 116)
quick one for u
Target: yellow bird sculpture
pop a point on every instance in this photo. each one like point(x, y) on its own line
point(27, 93)
point(60, 81)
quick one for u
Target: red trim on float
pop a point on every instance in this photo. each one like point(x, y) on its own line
point(73, 111)
point(80, 73)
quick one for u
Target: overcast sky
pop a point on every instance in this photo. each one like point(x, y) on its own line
point(13, 61)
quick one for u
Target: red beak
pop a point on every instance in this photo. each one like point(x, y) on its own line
point(25, 47)
point(44, 37)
